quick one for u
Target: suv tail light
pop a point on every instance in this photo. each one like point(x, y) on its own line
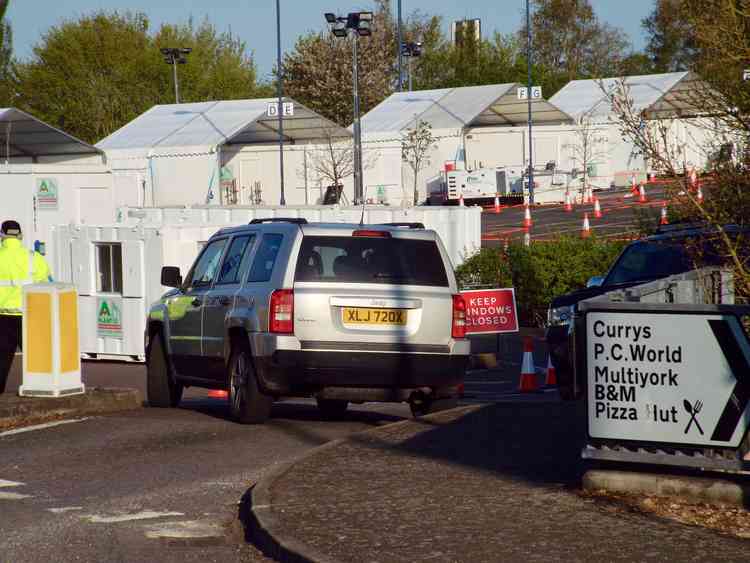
point(458, 328)
point(281, 312)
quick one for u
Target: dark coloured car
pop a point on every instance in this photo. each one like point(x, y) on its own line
point(667, 253)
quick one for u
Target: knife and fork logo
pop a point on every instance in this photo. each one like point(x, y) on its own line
point(693, 410)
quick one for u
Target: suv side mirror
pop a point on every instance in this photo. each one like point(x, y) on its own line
point(596, 281)
point(171, 277)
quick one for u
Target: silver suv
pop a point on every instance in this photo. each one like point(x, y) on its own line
point(340, 312)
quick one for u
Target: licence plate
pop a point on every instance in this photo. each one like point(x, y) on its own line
point(366, 316)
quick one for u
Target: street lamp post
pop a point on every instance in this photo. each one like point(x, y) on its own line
point(528, 98)
point(280, 107)
point(359, 24)
point(176, 56)
point(411, 50)
point(400, 52)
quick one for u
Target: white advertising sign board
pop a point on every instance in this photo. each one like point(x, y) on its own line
point(673, 378)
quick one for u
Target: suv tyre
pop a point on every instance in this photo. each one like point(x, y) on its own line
point(332, 409)
point(161, 389)
point(247, 403)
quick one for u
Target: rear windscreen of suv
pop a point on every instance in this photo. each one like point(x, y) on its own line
point(370, 260)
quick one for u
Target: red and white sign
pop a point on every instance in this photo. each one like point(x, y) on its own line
point(490, 311)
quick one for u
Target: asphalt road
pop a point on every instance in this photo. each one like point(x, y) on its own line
point(619, 218)
point(152, 484)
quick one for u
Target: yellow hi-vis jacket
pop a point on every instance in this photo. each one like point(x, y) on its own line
point(18, 267)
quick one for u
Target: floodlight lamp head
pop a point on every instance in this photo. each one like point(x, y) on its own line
point(365, 16)
point(364, 29)
point(352, 20)
point(165, 51)
point(186, 50)
point(339, 30)
point(330, 18)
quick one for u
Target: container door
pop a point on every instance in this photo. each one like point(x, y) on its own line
point(185, 311)
point(220, 301)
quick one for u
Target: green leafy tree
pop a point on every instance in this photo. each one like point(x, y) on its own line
point(6, 58)
point(570, 42)
point(671, 44)
point(92, 75)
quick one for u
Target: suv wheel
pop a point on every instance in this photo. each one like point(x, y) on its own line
point(161, 390)
point(247, 403)
point(332, 409)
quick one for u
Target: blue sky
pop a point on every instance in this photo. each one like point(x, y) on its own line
point(254, 20)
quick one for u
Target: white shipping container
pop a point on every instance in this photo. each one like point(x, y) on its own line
point(117, 268)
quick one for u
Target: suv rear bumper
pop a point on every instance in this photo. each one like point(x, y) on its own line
point(287, 366)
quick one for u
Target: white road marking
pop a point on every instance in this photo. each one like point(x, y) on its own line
point(4, 483)
point(41, 426)
point(64, 509)
point(13, 496)
point(186, 529)
point(144, 515)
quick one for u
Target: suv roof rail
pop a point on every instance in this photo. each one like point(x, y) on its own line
point(294, 220)
point(406, 225)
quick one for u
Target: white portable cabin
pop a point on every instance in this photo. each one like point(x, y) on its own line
point(48, 177)
point(670, 98)
point(117, 267)
point(474, 127)
point(219, 153)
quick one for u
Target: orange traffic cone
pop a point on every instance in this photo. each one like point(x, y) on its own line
point(586, 229)
point(218, 394)
point(551, 379)
point(693, 178)
point(597, 208)
point(568, 203)
point(699, 194)
point(642, 194)
point(526, 239)
point(664, 220)
point(497, 203)
point(528, 383)
point(633, 186)
point(461, 200)
point(527, 218)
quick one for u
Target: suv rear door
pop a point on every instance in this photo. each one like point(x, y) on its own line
point(382, 291)
point(220, 299)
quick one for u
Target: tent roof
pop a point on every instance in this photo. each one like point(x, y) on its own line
point(25, 135)
point(205, 125)
point(456, 108)
point(658, 95)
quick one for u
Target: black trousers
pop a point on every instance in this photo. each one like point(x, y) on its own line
point(10, 338)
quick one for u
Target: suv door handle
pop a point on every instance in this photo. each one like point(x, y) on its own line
point(196, 302)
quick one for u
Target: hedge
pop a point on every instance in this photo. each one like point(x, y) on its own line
point(539, 272)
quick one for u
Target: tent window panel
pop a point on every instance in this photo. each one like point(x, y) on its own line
point(109, 267)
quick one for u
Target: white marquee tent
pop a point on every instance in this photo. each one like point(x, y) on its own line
point(215, 152)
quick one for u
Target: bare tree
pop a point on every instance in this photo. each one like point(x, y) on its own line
point(416, 143)
point(332, 161)
point(589, 147)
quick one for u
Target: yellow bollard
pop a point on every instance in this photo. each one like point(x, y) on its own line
point(51, 352)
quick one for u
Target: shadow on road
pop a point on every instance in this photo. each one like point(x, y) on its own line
point(535, 442)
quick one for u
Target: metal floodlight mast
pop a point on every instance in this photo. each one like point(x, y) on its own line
point(411, 50)
point(398, 49)
point(360, 24)
point(174, 56)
